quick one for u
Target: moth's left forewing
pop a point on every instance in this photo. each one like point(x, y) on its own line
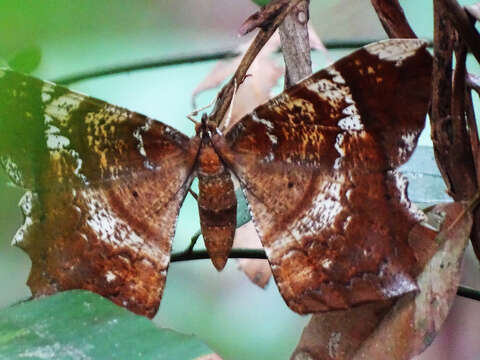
point(105, 186)
point(317, 166)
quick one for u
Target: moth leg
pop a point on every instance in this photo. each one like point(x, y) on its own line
point(193, 193)
point(193, 241)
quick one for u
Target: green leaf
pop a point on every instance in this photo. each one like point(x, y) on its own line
point(261, 2)
point(82, 325)
point(26, 60)
point(243, 214)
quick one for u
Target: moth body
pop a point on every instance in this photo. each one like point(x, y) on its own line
point(217, 204)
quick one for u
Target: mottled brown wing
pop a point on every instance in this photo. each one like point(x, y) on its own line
point(105, 187)
point(317, 164)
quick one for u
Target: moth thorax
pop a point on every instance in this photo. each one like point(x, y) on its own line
point(217, 206)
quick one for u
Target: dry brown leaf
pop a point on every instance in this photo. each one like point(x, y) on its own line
point(257, 270)
point(407, 327)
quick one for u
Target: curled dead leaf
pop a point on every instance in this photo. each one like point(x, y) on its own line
point(257, 270)
point(404, 328)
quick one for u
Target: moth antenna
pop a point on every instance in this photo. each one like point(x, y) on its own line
point(196, 111)
point(191, 117)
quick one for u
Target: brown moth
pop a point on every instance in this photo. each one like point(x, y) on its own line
point(316, 163)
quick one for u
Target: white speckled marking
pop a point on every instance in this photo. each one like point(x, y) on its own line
point(409, 142)
point(273, 138)
point(395, 50)
point(137, 134)
point(12, 170)
point(110, 276)
point(26, 204)
point(55, 141)
point(336, 76)
point(326, 263)
point(337, 93)
point(397, 285)
point(334, 343)
point(320, 216)
point(117, 233)
point(339, 147)
point(61, 108)
point(47, 91)
point(255, 118)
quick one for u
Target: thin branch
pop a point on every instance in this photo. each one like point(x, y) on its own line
point(468, 293)
point(393, 19)
point(143, 65)
point(234, 254)
point(226, 94)
point(263, 18)
point(187, 59)
point(462, 23)
point(260, 254)
point(296, 45)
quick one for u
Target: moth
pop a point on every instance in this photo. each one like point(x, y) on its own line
point(317, 164)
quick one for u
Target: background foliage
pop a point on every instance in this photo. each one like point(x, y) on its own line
point(234, 317)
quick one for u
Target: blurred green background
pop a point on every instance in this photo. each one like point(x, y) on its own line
point(237, 319)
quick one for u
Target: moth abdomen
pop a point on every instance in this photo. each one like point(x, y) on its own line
point(217, 206)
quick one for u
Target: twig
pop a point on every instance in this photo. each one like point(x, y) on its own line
point(193, 193)
point(263, 18)
point(148, 64)
point(463, 291)
point(234, 254)
point(296, 45)
point(462, 23)
point(187, 59)
point(225, 95)
point(468, 293)
point(393, 19)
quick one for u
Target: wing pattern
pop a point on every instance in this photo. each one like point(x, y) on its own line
point(104, 189)
point(317, 164)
